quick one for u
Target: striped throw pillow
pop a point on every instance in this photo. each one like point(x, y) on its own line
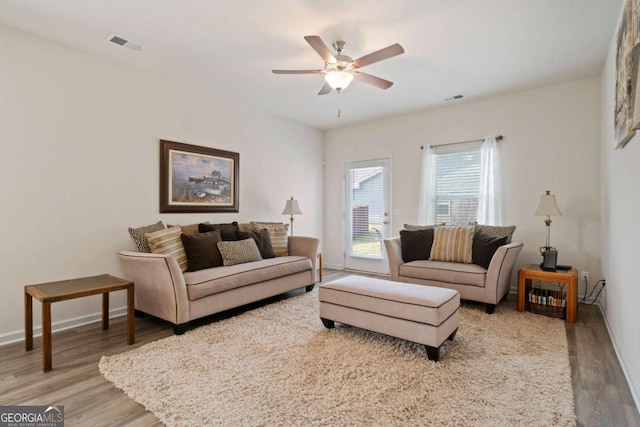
point(278, 234)
point(453, 244)
point(168, 242)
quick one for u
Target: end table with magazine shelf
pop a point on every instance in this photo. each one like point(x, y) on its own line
point(568, 278)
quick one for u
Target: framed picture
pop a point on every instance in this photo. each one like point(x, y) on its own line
point(635, 63)
point(623, 107)
point(197, 179)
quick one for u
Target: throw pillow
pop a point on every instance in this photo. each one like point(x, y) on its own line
point(416, 244)
point(262, 241)
point(202, 250)
point(452, 244)
point(188, 229)
point(228, 232)
point(484, 247)
point(138, 235)
point(278, 233)
point(497, 231)
point(168, 242)
point(239, 252)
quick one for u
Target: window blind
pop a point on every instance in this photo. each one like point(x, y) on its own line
point(457, 185)
point(366, 211)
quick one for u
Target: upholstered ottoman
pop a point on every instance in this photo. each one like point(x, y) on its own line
point(422, 314)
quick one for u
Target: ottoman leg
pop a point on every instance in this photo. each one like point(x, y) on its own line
point(453, 335)
point(433, 353)
point(329, 324)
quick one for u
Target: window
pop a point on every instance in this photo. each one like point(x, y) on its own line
point(461, 183)
point(456, 186)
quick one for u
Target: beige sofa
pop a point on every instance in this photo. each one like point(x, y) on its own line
point(472, 281)
point(163, 290)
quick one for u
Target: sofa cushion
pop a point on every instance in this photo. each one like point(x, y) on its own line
point(278, 233)
point(139, 238)
point(262, 241)
point(416, 244)
point(168, 242)
point(189, 228)
point(239, 251)
point(228, 232)
point(497, 230)
point(220, 279)
point(484, 247)
point(448, 272)
point(452, 244)
point(202, 250)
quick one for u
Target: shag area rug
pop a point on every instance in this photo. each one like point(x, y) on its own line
point(278, 366)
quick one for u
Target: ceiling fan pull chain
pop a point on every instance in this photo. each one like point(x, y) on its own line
point(339, 112)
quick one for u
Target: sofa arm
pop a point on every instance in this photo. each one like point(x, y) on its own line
point(498, 280)
point(394, 255)
point(304, 246)
point(159, 285)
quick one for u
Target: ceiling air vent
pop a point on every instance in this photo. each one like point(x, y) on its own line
point(121, 41)
point(454, 98)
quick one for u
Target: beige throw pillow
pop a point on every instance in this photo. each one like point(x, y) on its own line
point(239, 251)
point(168, 242)
point(453, 244)
point(278, 234)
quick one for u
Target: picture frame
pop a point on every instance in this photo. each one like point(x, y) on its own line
point(623, 115)
point(635, 63)
point(195, 179)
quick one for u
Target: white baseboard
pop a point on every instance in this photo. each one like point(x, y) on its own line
point(635, 393)
point(333, 266)
point(11, 337)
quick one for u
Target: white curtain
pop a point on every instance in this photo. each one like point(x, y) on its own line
point(490, 203)
point(427, 200)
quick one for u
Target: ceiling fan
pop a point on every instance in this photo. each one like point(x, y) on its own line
point(340, 70)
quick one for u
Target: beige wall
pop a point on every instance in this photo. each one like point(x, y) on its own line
point(551, 141)
point(79, 164)
point(620, 203)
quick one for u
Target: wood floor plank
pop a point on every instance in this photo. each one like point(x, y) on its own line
point(602, 396)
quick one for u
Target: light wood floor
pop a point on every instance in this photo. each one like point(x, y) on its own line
point(602, 396)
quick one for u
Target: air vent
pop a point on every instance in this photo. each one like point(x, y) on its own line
point(454, 98)
point(121, 41)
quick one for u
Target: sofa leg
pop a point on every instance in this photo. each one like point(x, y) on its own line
point(453, 335)
point(490, 308)
point(329, 324)
point(309, 288)
point(180, 329)
point(433, 353)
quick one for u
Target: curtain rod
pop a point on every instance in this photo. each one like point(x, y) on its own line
point(498, 138)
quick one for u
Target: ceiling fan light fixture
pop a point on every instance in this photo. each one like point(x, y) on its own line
point(338, 79)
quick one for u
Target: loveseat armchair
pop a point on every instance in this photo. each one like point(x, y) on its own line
point(473, 282)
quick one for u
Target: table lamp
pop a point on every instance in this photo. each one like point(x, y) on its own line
point(548, 207)
point(291, 208)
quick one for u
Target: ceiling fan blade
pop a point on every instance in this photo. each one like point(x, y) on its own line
point(297, 71)
point(325, 89)
point(372, 80)
point(318, 45)
point(379, 55)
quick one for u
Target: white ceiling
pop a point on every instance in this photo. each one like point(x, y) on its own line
point(471, 47)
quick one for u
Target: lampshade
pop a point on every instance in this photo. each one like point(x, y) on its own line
point(338, 80)
point(548, 205)
point(291, 208)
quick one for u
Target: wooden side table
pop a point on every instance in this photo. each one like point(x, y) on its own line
point(48, 293)
point(533, 272)
point(320, 265)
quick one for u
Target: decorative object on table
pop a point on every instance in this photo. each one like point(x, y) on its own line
point(291, 208)
point(197, 179)
point(548, 207)
point(623, 114)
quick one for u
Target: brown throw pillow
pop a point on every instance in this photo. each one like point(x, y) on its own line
point(189, 228)
point(202, 250)
point(228, 232)
point(452, 244)
point(484, 247)
point(416, 244)
point(262, 241)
